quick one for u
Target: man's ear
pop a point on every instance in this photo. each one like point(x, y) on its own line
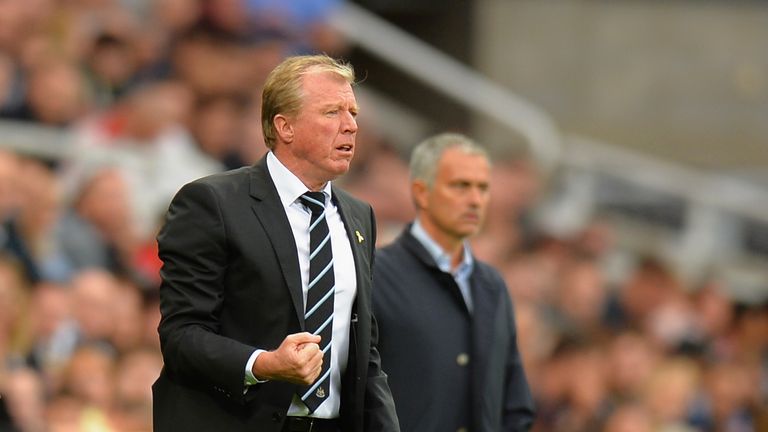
point(420, 193)
point(283, 128)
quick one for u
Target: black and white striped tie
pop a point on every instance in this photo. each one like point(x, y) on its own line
point(318, 315)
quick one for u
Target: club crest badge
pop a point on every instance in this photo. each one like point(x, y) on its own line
point(320, 392)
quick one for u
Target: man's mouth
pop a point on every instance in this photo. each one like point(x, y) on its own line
point(472, 217)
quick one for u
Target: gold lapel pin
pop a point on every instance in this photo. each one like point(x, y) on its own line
point(359, 236)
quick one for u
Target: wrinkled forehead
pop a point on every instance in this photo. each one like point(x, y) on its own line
point(327, 86)
point(321, 76)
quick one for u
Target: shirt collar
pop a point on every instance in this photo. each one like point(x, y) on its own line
point(442, 259)
point(289, 187)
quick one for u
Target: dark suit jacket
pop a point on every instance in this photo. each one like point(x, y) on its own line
point(448, 368)
point(231, 283)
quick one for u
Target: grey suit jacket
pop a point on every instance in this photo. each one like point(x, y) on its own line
point(230, 284)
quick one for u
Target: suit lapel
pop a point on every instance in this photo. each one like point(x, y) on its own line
point(446, 280)
point(271, 214)
point(353, 226)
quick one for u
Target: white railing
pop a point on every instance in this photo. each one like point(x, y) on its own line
point(716, 203)
point(474, 91)
point(453, 79)
point(693, 185)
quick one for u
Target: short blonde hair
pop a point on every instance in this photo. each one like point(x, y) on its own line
point(282, 89)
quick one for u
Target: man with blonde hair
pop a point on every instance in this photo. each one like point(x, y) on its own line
point(265, 298)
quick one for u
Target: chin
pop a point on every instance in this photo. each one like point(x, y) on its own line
point(470, 231)
point(340, 168)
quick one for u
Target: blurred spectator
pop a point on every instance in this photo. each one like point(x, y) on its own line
point(516, 187)
point(751, 335)
point(25, 400)
point(631, 360)
point(53, 332)
point(176, 16)
point(304, 23)
point(586, 393)
point(726, 406)
point(30, 233)
point(55, 93)
point(581, 299)
point(133, 397)
point(99, 229)
point(671, 324)
point(112, 67)
point(253, 147)
point(647, 288)
point(144, 137)
point(714, 318)
point(94, 298)
point(213, 63)
point(89, 389)
point(64, 414)
point(13, 312)
point(536, 338)
point(529, 278)
point(11, 86)
point(629, 418)
point(12, 25)
point(10, 166)
point(669, 393)
point(218, 128)
point(596, 239)
point(90, 377)
point(227, 16)
point(128, 314)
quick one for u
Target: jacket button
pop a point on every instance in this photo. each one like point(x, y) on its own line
point(276, 416)
point(462, 359)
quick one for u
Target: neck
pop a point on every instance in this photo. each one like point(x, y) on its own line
point(294, 166)
point(452, 245)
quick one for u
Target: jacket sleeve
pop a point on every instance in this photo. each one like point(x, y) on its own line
point(193, 247)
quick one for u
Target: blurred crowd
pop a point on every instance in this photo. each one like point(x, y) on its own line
point(155, 93)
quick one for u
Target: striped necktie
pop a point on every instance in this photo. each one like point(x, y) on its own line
point(318, 317)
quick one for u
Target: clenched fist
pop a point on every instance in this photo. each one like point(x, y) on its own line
point(298, 360)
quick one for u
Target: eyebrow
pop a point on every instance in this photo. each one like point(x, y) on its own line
point(338, 105)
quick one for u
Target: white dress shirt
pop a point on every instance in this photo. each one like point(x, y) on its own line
point(290, 188)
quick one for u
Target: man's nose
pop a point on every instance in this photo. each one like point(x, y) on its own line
point(476, 196)
point(349, 123)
